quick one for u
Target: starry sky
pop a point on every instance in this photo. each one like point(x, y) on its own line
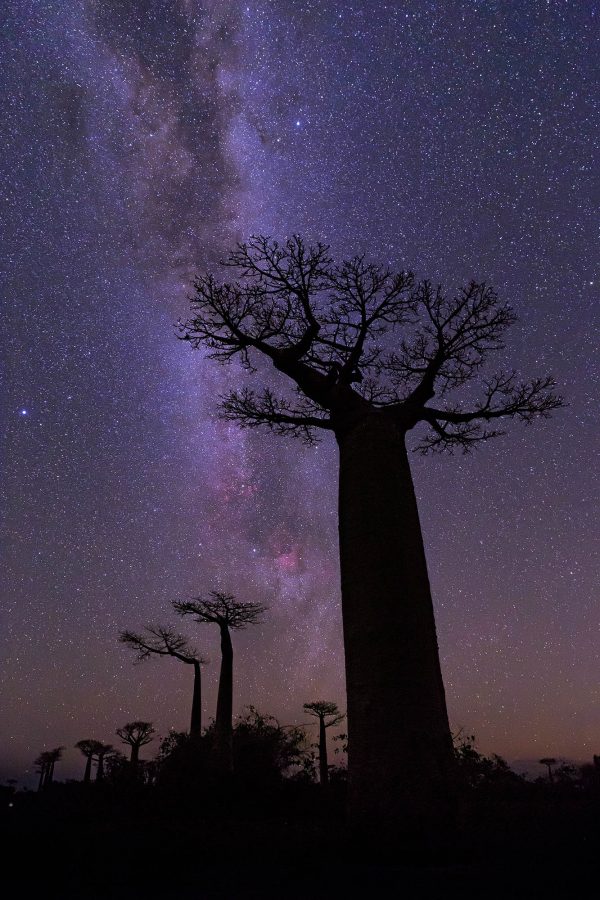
point(143, 138)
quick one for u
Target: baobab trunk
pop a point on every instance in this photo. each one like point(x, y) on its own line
point(223, 720)
point(100, 769)
point(42, 780)
point(196, 723)
point(135, 756)
point(323, 769)
point(400, 756)
point(87, 777)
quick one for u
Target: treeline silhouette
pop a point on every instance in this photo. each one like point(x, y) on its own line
point(257, 748)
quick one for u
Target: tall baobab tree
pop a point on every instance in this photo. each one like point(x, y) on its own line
point(89, 748)
point(136, 734)
point(328, 715)
point(166, 642)
point(369, 355)
point(228, 613)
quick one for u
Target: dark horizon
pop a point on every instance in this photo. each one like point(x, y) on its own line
point(455, 139)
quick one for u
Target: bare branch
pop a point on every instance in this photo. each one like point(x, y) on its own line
point(250, 409)
point(325, 710)
point(136, 734)
point(221, 609)
point(355, 337)
point(504, 398)
point(161, 642)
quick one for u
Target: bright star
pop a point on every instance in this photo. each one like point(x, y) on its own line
point(23, 412)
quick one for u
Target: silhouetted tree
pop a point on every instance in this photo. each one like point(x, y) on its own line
point(484, 773)
point(264, 750)
point(161, 641)
point(136, 734)
point(115, 766)
point(228, 613)
point(42, 762)
point(89, 748)
point(328, 715)
point(101, 753)
point(52, 757)
point(548, 761)
point(366, 351)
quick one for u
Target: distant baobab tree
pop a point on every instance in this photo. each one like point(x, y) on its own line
point(45, 763)
point(549, 761)
point(228, 613)
point(89, 748)
point(328, 715)
point(161, 641)
point(364, 351)
point(102, 752)
point(42, 763)
point(136, 734)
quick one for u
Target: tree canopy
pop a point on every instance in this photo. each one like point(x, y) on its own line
point(354, 337)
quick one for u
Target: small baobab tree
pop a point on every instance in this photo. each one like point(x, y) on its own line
point(53, 756)
point(42, 762)
point(228, 613)
point(159, 641)
point(101, 753)
point(328, 715)
point(89, 748)
point(549, 761)
point(136, 735)
point(364, 352)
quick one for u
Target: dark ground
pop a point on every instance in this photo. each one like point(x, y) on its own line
point(70, 842)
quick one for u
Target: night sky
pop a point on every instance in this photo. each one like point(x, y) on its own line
point(145, 137)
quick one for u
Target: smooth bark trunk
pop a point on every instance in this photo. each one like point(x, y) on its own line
point(88, 770)
point(196, 722)
point(42, 778)
point(100, 769)
point(400, 755)
point(135, 755)
point(323, 768)
point(223, 720)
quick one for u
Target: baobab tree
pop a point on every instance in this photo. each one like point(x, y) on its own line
point(549, 761)
point(101, 754)
point(364, 353)
point(136, 734)
point(90, 749)
point(328, 715)
point(161, 641)
point(45, 763)
point(228, 613)
point(42, 762)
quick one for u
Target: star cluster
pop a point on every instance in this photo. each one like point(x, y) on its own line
point(143, 139)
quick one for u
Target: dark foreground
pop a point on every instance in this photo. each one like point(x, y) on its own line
point(78, 842)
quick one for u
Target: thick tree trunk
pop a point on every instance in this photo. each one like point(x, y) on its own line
point(100, 769)
point(42, 778)
point(87, 777)
point(223, 720)
point(49, 774)
point(400, 756)
point(196, 722)
point(135, 756)
point(323, 769)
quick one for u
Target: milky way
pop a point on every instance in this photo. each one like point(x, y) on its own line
point(143, 139)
